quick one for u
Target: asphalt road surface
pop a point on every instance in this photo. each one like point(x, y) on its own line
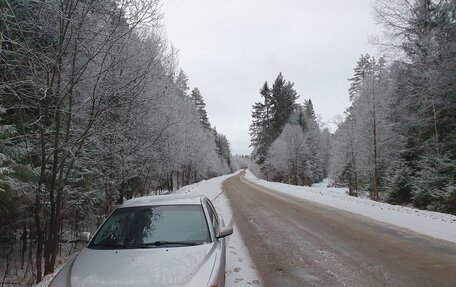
point(295, 242)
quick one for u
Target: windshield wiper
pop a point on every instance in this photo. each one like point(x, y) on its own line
point(162, 242)
point(108, 246)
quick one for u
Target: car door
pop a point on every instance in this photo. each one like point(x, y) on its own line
point(217, 222)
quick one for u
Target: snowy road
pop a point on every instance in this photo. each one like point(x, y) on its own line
point(295, 242)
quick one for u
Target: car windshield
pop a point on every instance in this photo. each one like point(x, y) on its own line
point(153, 226)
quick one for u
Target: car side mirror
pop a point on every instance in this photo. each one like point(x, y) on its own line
point(84, 236)
point(225, 231)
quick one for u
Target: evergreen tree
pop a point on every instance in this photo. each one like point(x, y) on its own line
point(361, 70)
point(290, 156)
point(398, 139)
point(424, 104)
point(223, 149)
point(182, 84)
point(200, 107)
point(344, 154)
point(283, 99)
point(271, 115)
point(313, 138)
point(260, 129)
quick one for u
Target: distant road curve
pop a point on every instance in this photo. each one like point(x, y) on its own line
point(295, 242)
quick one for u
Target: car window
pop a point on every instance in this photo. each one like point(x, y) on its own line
point(151, 224)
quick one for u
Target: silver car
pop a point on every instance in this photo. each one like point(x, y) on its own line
point(153, 241)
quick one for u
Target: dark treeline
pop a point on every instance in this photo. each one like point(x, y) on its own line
point(93, 110)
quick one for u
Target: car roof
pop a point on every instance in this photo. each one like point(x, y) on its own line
point(174, 199)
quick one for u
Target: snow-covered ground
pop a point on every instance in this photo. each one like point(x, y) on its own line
point(434, 224)
point(240, 269)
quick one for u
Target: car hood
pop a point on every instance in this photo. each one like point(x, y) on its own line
point(176, 266)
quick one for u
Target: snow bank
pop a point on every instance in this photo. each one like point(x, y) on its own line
point(434, 224)
point(240, 269)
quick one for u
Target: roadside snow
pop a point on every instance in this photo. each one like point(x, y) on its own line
point(434, 224)
point(240, 269)
point(324, 185)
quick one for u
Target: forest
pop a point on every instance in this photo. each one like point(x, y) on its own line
point(397, 140)
point(94, 110)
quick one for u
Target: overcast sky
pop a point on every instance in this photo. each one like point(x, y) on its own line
point(229, 48)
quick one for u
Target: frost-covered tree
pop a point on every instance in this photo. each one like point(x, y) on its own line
point(361, 143)
point(397, 141)
point(277, 111)
point(92, 103)
point(423, 100)
point(325, 150)
point(223, 149)
point(288, 156)
point(343, 168)
point(313, 137)
point(240, 162)
point(182, 83)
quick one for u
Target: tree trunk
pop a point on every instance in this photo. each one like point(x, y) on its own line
point(24, 236)
point(39, 236)
point(51, 238)
point(376, 179)
point(39, 231)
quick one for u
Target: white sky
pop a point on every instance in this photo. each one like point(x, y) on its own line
point(229, 48)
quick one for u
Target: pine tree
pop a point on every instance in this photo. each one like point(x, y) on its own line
point(200, 107)
point(361, 70)
point(271, 115)
point(312, 132)
point(182, 84)
point(283, 99)
point(260, 129)
point(223, 149)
